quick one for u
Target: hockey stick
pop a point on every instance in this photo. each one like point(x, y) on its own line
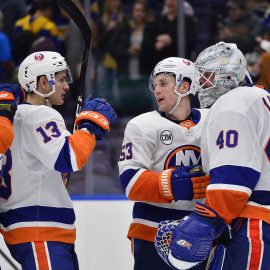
point(76, 15)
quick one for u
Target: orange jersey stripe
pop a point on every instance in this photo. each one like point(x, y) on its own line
point(83, 145)
point(6, 134)
point(141, 231)
point(41, 254)
point(256, 212)
point(227, 203)
point(146, 182)
point(32, 234)
point(256, 244)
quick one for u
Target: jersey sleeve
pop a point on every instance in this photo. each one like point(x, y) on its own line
point(138, 181)
point(46, 137)
point(232, 146)
point(6, 132)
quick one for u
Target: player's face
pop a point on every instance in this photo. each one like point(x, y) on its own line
point(207, 79)
point(164, 92)
point(61, 88)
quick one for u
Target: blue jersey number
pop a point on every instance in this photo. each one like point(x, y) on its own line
point(230, 139)
point(51, 131)
point(126, 152)
point(267, 150)
point(5, 177)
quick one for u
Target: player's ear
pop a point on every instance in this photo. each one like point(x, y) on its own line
point(184, 87)
point(42, 82)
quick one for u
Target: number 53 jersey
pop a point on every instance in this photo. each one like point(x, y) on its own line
point(34, 203)
point(152, 143)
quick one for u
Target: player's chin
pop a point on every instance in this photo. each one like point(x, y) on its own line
point(59, 102)
point(162, 108)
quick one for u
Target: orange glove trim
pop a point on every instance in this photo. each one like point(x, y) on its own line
point(95, 117)
point(6, 96)
point(165, 187)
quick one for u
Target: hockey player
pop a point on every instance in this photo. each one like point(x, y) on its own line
point(36, 213)
point(10, 96)
point(236, 153)
point(159, 149)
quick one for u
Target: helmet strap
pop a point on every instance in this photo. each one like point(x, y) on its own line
point(177, 101)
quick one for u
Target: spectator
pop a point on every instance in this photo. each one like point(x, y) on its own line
point(264, 77)
point(264, 62)
point(36, 32)
point(12, 10)
point(133, 53)
point(241, 27)
point(163, 41)
point(109, 29)
point(6, 61)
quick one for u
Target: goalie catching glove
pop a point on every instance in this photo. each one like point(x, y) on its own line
point(183, 183)
point(192, 240)
point(96, 116)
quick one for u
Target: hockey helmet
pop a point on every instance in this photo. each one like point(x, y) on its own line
point(219, 68)
point(41, 63)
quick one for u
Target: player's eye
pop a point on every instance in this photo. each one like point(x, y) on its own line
point(163, 84)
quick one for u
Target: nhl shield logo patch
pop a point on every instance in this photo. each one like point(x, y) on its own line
point(166, 137)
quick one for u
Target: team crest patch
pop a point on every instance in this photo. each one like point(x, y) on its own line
point(166, 137)
point(39, 57)
point(184, 243)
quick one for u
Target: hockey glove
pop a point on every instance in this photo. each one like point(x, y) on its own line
point(10, 96)
point(96, 115)
point(195, 236)
point(183, 183)
point(163, 239)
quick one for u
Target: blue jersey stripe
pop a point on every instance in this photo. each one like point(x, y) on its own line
point(156, 213)
point(38, 213)
point(126, 176)
point(63, 162)
point(235, 175)
point(260, 197)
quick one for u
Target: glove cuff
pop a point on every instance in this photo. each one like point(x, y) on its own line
point(95, 117)
point(165, 187)
point(205, 211)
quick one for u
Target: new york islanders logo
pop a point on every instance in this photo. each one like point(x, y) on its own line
point(39, 57)
point(185, 155)
point(184, 243)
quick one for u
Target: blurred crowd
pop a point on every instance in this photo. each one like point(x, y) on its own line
point(130, 37)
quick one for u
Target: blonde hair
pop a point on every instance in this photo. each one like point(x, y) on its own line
point(106, 15)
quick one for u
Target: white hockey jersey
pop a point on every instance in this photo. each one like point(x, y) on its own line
point(34, 202)
point(151, 144)
point(236, 153)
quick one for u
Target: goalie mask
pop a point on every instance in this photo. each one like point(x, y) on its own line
point(42, 63)
point(181, 69)
point(219, 69)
